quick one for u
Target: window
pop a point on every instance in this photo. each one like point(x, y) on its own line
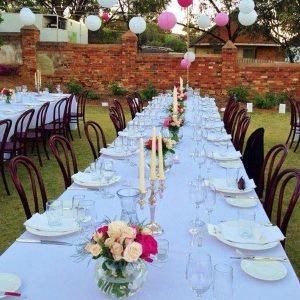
point(249, 53)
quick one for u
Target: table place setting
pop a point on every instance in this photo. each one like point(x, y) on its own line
point(9, 285)
point(225, 155)
point(241, 201)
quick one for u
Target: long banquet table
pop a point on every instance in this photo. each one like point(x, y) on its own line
point(51, 272)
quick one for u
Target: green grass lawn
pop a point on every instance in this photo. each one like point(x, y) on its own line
point(12, 214)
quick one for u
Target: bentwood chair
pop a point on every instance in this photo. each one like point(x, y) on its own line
point(253, 156)
point(270, 169)
point(133, 106)
point(119, 109)
point(239, 115)
point(65, 157)
point(116, 119)
point(137, 96)
point(294, 122)
point(5, 126)
point(38, 134)
point(93, 129)
point(238, 136)
point(75, 117)
point(37, 187)
point(231, 117)
point(285, 189)
point(231, 101)
point(17, 143)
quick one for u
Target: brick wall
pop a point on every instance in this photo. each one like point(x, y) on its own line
point(95, 66)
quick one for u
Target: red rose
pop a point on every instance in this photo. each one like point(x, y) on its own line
point(103, 230)
point(149, 246)
point(166, 122)
point(184, 97)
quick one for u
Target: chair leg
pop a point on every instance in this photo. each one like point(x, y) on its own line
point(32, 147)
point(39, 153)
point(45, 147)
point(293, 137)
point(4, 179)
point(287, 141)
point(69, 131)
point(297, 143)
point(78, 127)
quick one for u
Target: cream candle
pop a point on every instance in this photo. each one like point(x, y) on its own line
point(181, 85)
point(175, 102)
point(153, 156)
point(161, 174)
point(142, 168)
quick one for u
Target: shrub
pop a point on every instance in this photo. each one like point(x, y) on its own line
point(50, 87)
point(269, 99)
point(116, 89)
point(74, 87)
point(241, 93)
point(149, 92)
point(93, 96)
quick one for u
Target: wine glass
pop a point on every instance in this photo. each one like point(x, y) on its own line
point(132, 146)
point(199, 272)
point(210, 200)
point(108, 173)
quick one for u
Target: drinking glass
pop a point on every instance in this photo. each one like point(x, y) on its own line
point(223, 282)
point(199, 272)
point(210, 200)
point(58, 89)
point(86, 217)
point(132, 148)
point(196, 194)
point(108, 173)
point(162, 250)
point(246, 222)
point(197, 231)
point(54, 212)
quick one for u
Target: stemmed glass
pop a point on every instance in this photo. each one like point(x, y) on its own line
point(107, 170)
point(199, 272)
point(210, 200)
point(58, 89)
point(132, 147)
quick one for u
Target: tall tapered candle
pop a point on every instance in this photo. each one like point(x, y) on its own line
point(161, 174)
point(175, 102)
point(181, 85)
point(35, 79)
point(153, 156)
point(142, 168)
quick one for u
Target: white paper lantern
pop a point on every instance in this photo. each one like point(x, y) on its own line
point(107, 3)
point(93, 23)
point(246, 6)
point(203, 21)
point(190, 56)
point(27, 17)
point(137, 25)
point(247, 19)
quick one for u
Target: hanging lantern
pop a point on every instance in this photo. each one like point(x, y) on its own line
point(27, 17)
point(185, 64)
point(185, 3)
point(222, 19)
point(107, 3)
point(137, 25)
point(166, 20)
point(190, 56)
point(247, 19)
point(246, 6)
point(203, 21)
point(105, 17)
point(93, 23)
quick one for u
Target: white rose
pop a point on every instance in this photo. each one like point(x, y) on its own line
point(116, 250)
point(115, 229)
point(132, 252)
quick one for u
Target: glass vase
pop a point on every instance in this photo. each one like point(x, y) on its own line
point(129, 198)
point(120, 279)
point(168, 161)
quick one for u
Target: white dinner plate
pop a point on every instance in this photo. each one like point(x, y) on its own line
point(49, 233)
point(241, 201)
point(231, 164)
point(95, 184)
point(226, 156)
point(115, 153)
point(9, 283)
point(264, 270)
point(244, 246)
point(215, 138)
point(220, 186)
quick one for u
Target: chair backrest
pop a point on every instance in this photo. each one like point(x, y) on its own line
point(5, 126)
point(37, 187)
point(239, 134)
point(284, 188)
point(133, 105)
point(240, 115)
point(81, 103)
point(253, 156)
point(59, 112)
point(116, 119)
point(137, 96)
point(41, 117)
point(100, 140)
point(64, 154)
point(120, 112)
point(271, 167)
point(234, 108)
point(293, 107)
point(68, 109)
point(229, 104)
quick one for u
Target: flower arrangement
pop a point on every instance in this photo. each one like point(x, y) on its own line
point(173, 123)
point(121, 250)
point(167, 145)
point(180, 108)
point(7, 93)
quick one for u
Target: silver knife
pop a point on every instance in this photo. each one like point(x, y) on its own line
point(44, 242)
point(266, 258)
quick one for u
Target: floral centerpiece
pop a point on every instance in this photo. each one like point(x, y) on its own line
point(121, 250)
point(173, 123)
point(7, 93)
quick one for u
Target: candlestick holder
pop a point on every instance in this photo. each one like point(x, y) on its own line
point(142, 201)
point(38, 87)
point(155, 228)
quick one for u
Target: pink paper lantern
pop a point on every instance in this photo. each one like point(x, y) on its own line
point(221, 19)
point(185, 3)
point(166, 20)
point(185, 64)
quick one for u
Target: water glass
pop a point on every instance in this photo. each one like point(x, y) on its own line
point(108, 173)
point(86, 217)
point(197, 230)
point(223, 282)
point(246, 222)
point(54, 212)
point(162, 250)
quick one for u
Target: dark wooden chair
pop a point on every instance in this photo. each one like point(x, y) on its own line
point(239, 115)
point(253, 156)
point(294, 122)
point(37, 187)
point(75, 117)
point(231, 101)
point(284, 192)
point(17, 143)
point(38, 134)
point(91, 129)
point(231, 117)
point(64, 154)
point(116, 119)
point(271, 167)
point(5, 126)
point(133, 106)
point(119, 109)
point(239, 133)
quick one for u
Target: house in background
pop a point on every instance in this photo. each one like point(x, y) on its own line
point(248, 47)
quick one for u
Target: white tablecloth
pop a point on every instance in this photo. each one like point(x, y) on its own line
point(50, 272)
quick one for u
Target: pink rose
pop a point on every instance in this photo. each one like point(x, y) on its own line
point(184, 96)
point(166, 122)
point(103, 230)
point(149, 246)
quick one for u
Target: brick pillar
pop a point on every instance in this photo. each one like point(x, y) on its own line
point(229, 66)
point(30, 36)
point(128, 60)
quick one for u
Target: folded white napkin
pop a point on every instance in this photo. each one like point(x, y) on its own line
point(113, 152)
point(40, 222)
point(217, 138)
point(232, 155)
point(86, 178)
point(261, 234)
point(221, 185)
